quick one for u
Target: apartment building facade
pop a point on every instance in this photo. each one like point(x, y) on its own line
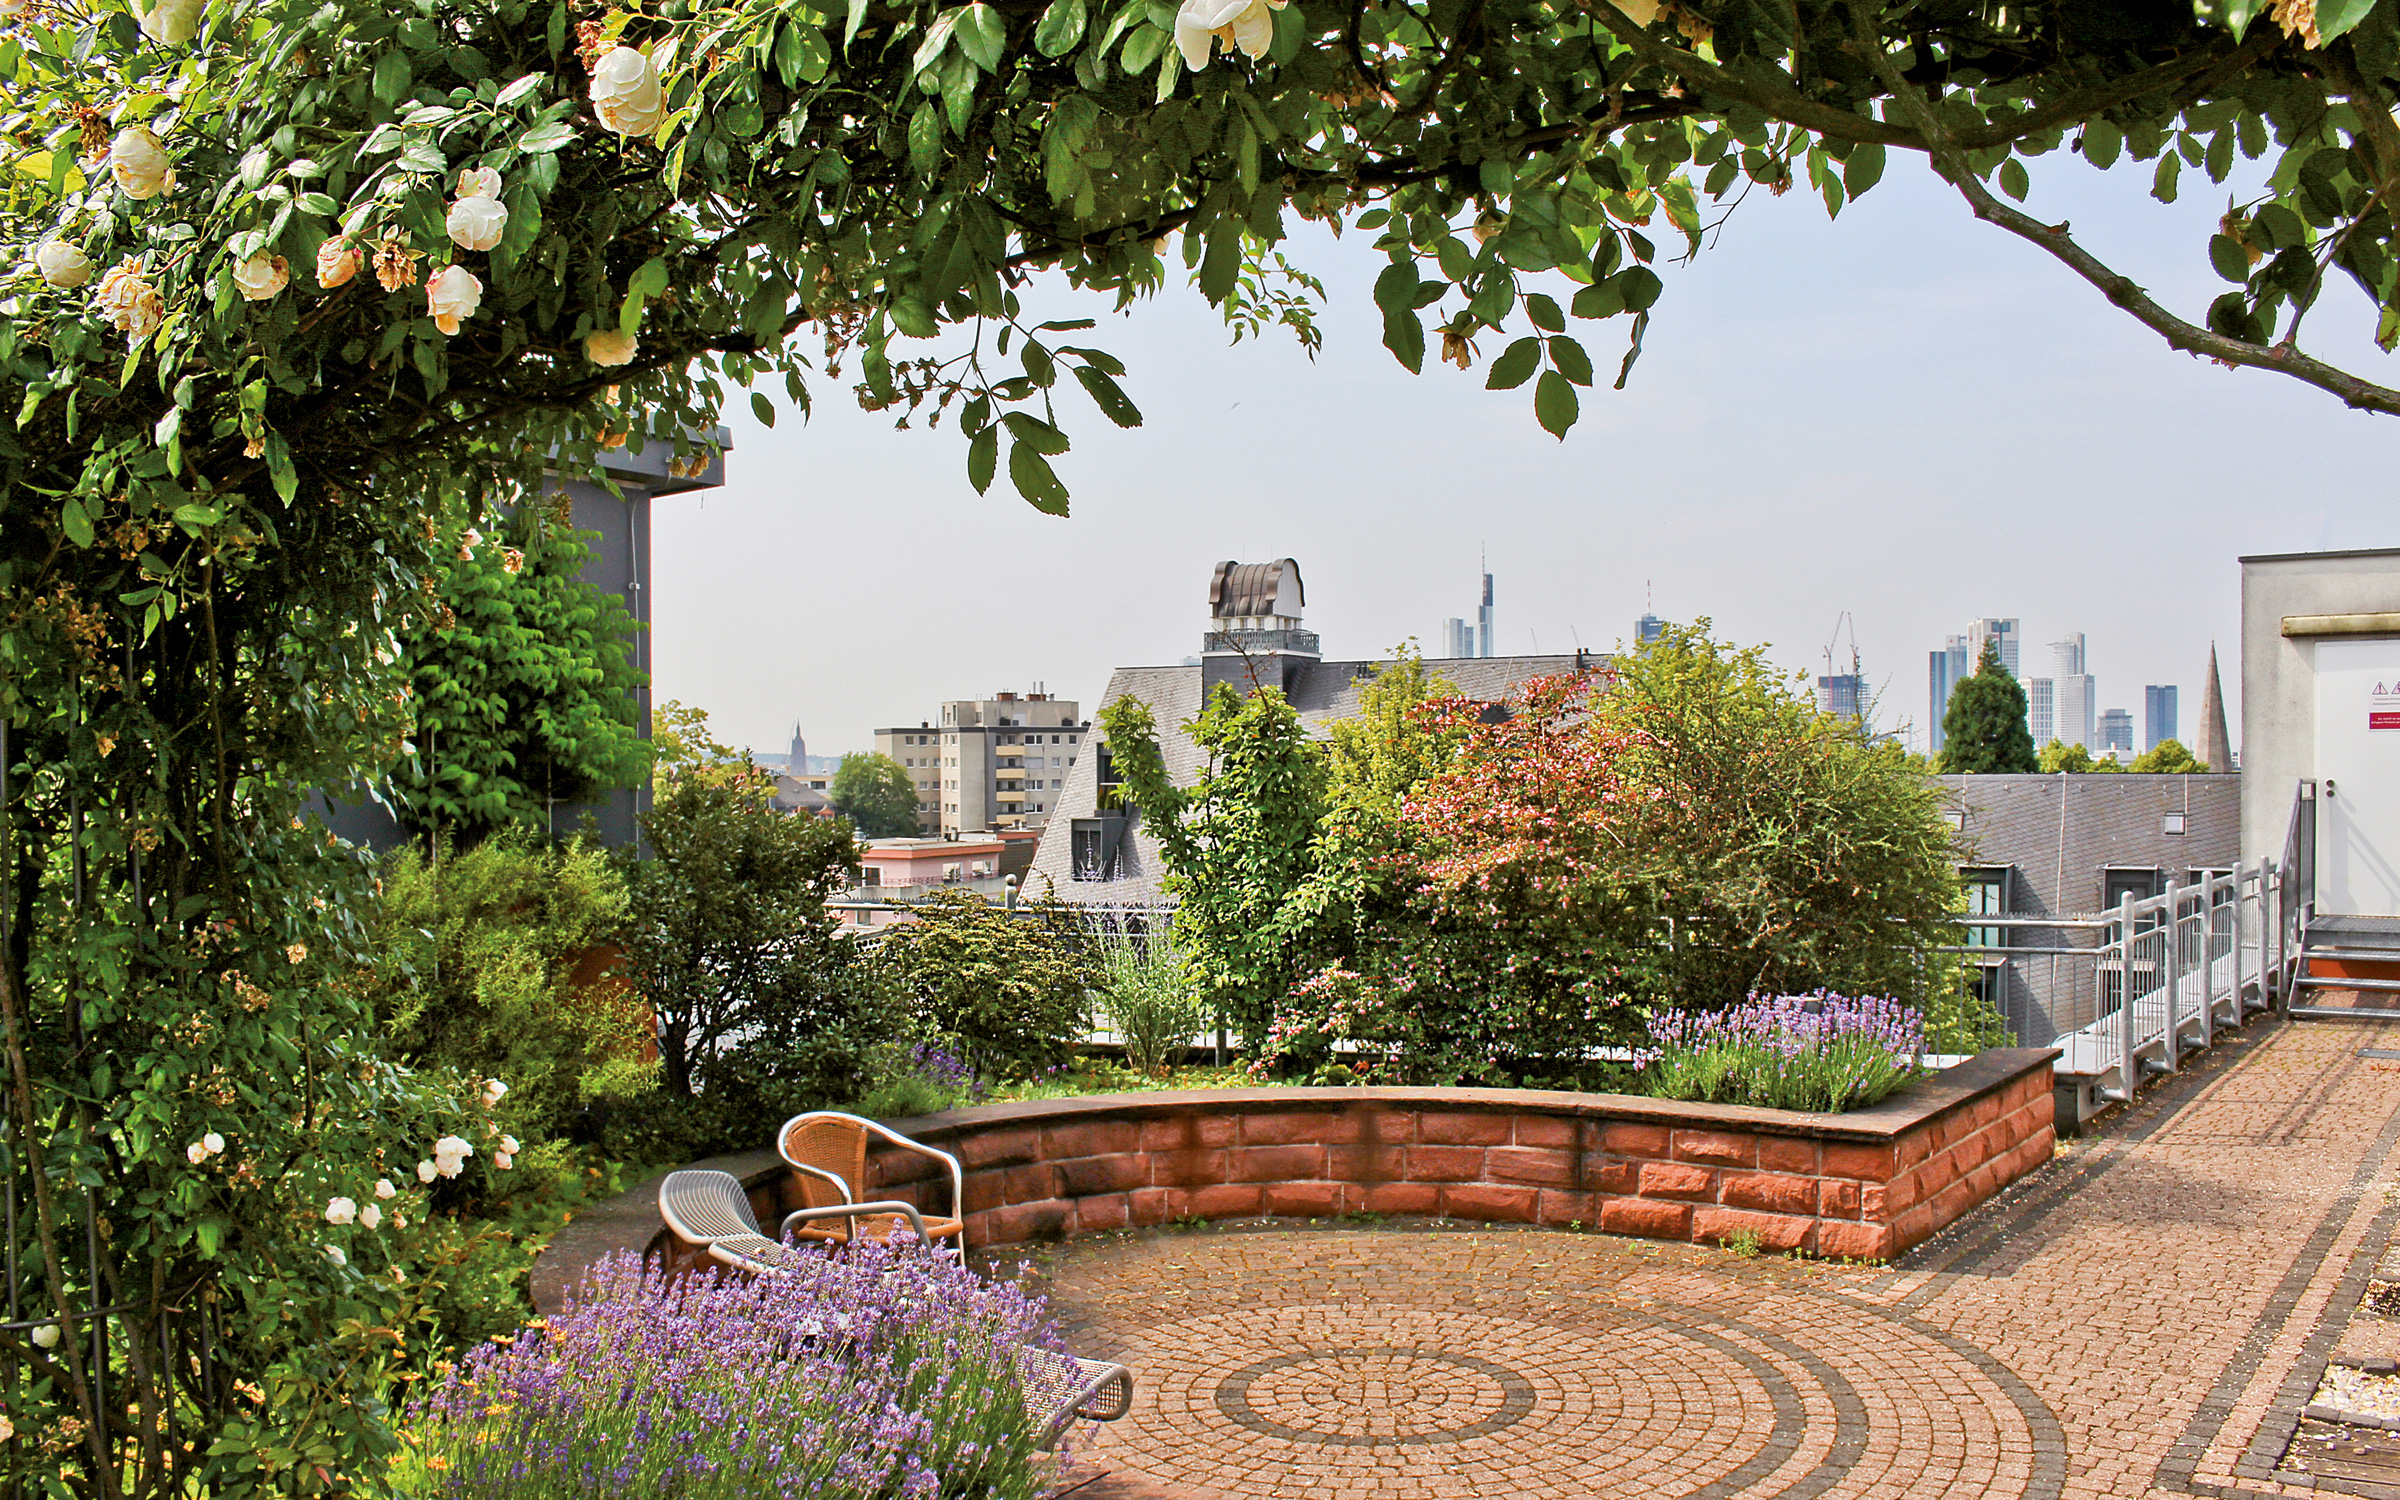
point(989, 763)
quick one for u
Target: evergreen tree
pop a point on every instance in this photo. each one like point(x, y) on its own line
point(1984, 730)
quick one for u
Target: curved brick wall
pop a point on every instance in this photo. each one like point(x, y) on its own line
point(1866, 1184)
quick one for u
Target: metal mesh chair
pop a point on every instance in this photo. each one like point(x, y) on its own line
point(828, 1151)
point(709, 1211)
point(708, 1208)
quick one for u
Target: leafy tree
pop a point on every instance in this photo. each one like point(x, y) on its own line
point(1012, 988)
point(523, 686)
point(2060, 756)
point(1238, 844)
point(876, 793)
point(2170, 756)
point(1984, 729)
point(727, 912)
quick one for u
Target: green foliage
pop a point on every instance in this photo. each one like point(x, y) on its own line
point(2169, 756)
point(2058, 756)
point(524, 687)
point(1147, 997)
point(730, 931)
point(1239, 842)
point(1984, 730)
point(1011, 989)
point(876, 793)
point(501, 962)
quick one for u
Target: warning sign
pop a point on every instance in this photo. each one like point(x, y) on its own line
point(2383, 704)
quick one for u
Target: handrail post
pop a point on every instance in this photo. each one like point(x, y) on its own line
point(2126, 1078)
point(2170, 969)
point(2208, 960)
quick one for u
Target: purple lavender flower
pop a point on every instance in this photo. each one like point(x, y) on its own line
point(1819, 1051)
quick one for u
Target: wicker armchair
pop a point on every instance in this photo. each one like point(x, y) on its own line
point(827, 1151)
point(709, 1209)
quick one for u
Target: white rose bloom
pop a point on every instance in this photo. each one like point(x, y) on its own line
point(476, 223)
point(62, 265)
point(139, 164)
point(508, 1143)
point(448, 1166)
point(502, 1160)
point(214, 1142)
point(610, 347)
point(46, 1336)
point(384, 1188)
point(426, 1171)
point(195, 1153)
point(8, 1429)
point(479, 182)
point(452, 297)
point(335, 1254)
point(262, 276)
point(625, 93)
point(494, 1091)
point(453, 1145)
point(1247, 24)
point(371, 1217)
point(341, 1211)
point(171, 23)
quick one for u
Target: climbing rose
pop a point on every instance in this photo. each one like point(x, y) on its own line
point(384, 1188)
point(610, 347)
point(171, 23)
point(337, 262)
point(1246, 24)
point(426, 1171)
point(62, 265)
point(46, 1336)
point(132, 304)
point(476, 223)
point(195, 1153)
point(262, 276)
point(494, 1090)
point(452, 1145)
point(214, 1142)
point(371, 1216)
point(502, 1161)
point(139, 163)
point(625, 93)
point(335, 1254)
point(452, 296)
point(479, 182)
point(341, 1211)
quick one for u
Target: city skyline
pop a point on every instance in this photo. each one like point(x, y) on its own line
point(1702, 488)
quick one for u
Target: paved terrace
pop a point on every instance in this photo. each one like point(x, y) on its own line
point(2146, 1316)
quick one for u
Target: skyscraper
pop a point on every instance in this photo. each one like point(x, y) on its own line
point(1648, 628)
point(2076, 712)
point(2116, 732)
point(2041, 709)
point(1842, 695)
point(2158, 715)
point(2005, 632)
point(1458, 638)
point(1483, 620)
point(1944, 669)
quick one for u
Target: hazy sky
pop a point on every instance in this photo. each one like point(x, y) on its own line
point(1902, 414)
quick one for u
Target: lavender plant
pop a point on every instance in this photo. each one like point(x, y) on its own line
point(1819, 1051)
point(928, 1078)
point(878, 1372)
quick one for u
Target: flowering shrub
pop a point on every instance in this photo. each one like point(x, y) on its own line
point(1820, 1051)
point(879, 1372)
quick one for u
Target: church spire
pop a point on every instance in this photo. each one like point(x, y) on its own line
point(2215, 746)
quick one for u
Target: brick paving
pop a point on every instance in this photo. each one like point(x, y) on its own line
point(2145, 1316)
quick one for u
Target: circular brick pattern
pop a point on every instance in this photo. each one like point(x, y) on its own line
point(1367, 1398)
point(1424, 1364)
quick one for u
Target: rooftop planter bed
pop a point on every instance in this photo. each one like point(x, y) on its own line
point(1865, 1184)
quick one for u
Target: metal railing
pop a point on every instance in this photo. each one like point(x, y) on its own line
point(2164, 972)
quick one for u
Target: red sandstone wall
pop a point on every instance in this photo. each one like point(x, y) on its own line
point(1832, 1191)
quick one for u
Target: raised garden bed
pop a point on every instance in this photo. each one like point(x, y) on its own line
point(1863, 1185)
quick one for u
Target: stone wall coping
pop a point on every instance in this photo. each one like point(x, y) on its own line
point(1877, 1123)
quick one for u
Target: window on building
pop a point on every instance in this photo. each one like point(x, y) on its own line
point(2117, 884)
point(1070, 739)
point(1987, 896)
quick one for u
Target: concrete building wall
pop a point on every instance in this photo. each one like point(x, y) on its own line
point(2279, 704)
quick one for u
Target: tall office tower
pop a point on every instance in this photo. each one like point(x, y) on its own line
point(1648, 628)
point(1458, 638)
point(2077, 713)
point(2116, 732)
point(2005, 632)
point(1944, 670)
point(2158, 714)
point(2041, 709)
point(1483, 621)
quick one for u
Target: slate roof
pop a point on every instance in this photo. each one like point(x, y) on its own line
point(1322, 692)
point(2062, 833)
